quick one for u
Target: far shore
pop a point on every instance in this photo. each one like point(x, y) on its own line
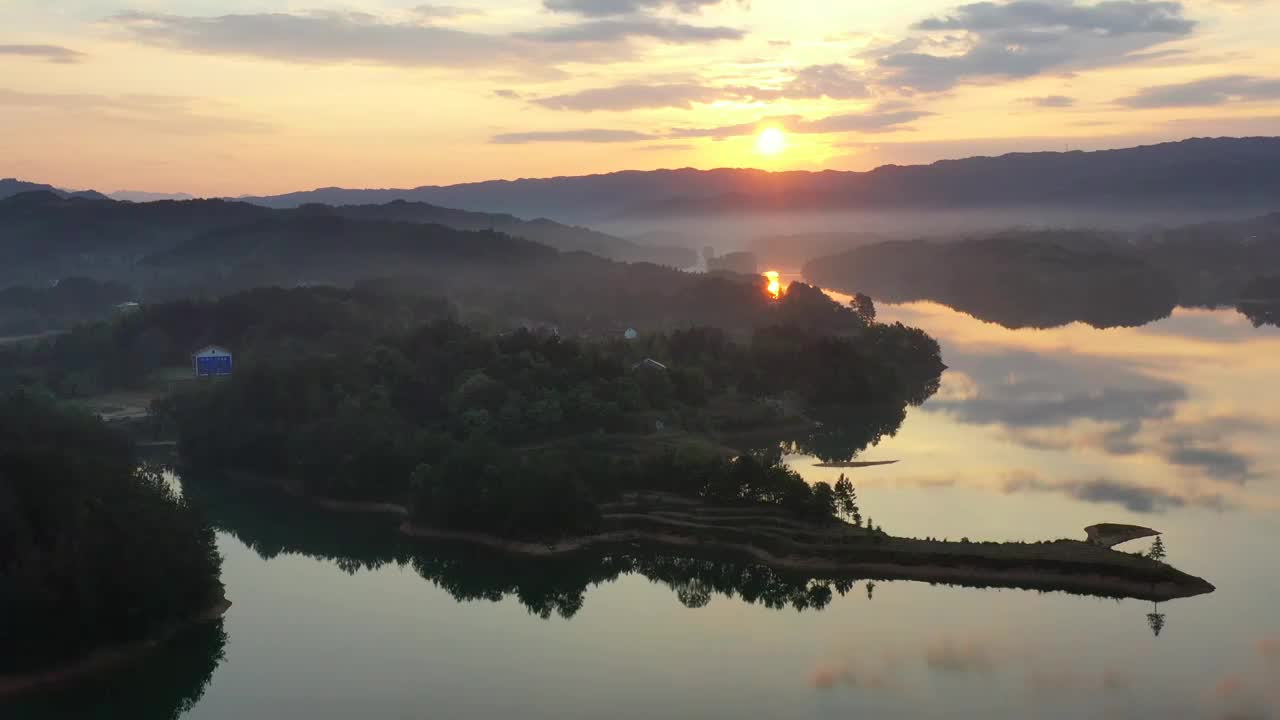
point(104, 659)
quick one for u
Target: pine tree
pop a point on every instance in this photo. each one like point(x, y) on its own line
point(847, 501)
point(1157, 552)
point(1155, 620)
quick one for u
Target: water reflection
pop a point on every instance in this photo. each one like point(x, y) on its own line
point(1174, 415)
point(843, 433)
point(163, 685)
point(1261, 313)
point(272, 524)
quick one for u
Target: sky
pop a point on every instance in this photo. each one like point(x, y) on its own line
point(229, 97)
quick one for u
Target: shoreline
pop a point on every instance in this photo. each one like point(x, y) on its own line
point(966, 570)
point(765, 536)
point(106, 658)
point(343, 506)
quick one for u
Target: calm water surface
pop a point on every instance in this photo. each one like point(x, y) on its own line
point(1034, 434)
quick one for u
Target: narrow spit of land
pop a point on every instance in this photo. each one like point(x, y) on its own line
point(770, 536)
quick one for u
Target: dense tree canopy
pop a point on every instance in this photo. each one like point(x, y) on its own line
point(94, 550)
point(522, 432)
point(1260, 301)
point(26, 310)
point(263, 323)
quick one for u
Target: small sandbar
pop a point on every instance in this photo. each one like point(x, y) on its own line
point(855, 464)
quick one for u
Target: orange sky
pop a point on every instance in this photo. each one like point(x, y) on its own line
point(260, 96)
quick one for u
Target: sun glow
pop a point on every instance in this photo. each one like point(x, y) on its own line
point(771, 141)
point(774, 288)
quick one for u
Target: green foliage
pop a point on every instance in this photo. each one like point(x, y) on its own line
point(846, 499)
point(93, 550)
point(479, 485)
point(473, 430)
point(262, 325)
point(27, 310)
point(865, 307)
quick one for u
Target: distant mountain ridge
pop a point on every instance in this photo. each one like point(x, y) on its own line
point(565, 238)
point(45, 235)
point(10, 187)
point(1235, 174)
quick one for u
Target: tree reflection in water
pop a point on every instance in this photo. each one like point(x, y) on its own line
point(272, 524)
point(162, 685)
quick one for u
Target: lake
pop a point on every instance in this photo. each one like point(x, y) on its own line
point(1034, 434)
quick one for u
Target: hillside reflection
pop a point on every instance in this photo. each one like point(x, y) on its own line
point(1172, 415)
point(272, 525)
point(163, 685)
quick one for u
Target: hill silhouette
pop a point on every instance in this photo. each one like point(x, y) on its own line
point(46, 236)
point(1235, 174)
point(1045, 278)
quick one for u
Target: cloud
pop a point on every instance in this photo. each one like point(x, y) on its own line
point(1025, 390)
point(959, 657)
point(1115, 17)
point(1024, 38)
point(51, 53)
point(1051, 101)
point(633, 97)
point(833, 81)
point(666, 147)
point(153, 113)
point(836, 82)
point(1205, 92)
point(869, 122)
point(445, 12)
point(605, 8)
point(874, 121)
point(1103, 491)
point(1217, 463)
point(615, 30)
point(339, 37)
point(323, 37)
point(851, 674)
point(583, 136)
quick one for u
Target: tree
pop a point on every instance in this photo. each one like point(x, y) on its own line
point(95, 550)
point(871, 588)
point(1155, 620)
point(864, 307)
point(847, 501)
point(824, 500)
point(1157, 552)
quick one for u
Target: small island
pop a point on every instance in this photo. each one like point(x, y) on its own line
point(101, 561)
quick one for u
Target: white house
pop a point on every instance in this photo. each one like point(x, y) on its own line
point(212, 361)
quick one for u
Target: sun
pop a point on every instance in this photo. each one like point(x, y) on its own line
point(771, 141)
